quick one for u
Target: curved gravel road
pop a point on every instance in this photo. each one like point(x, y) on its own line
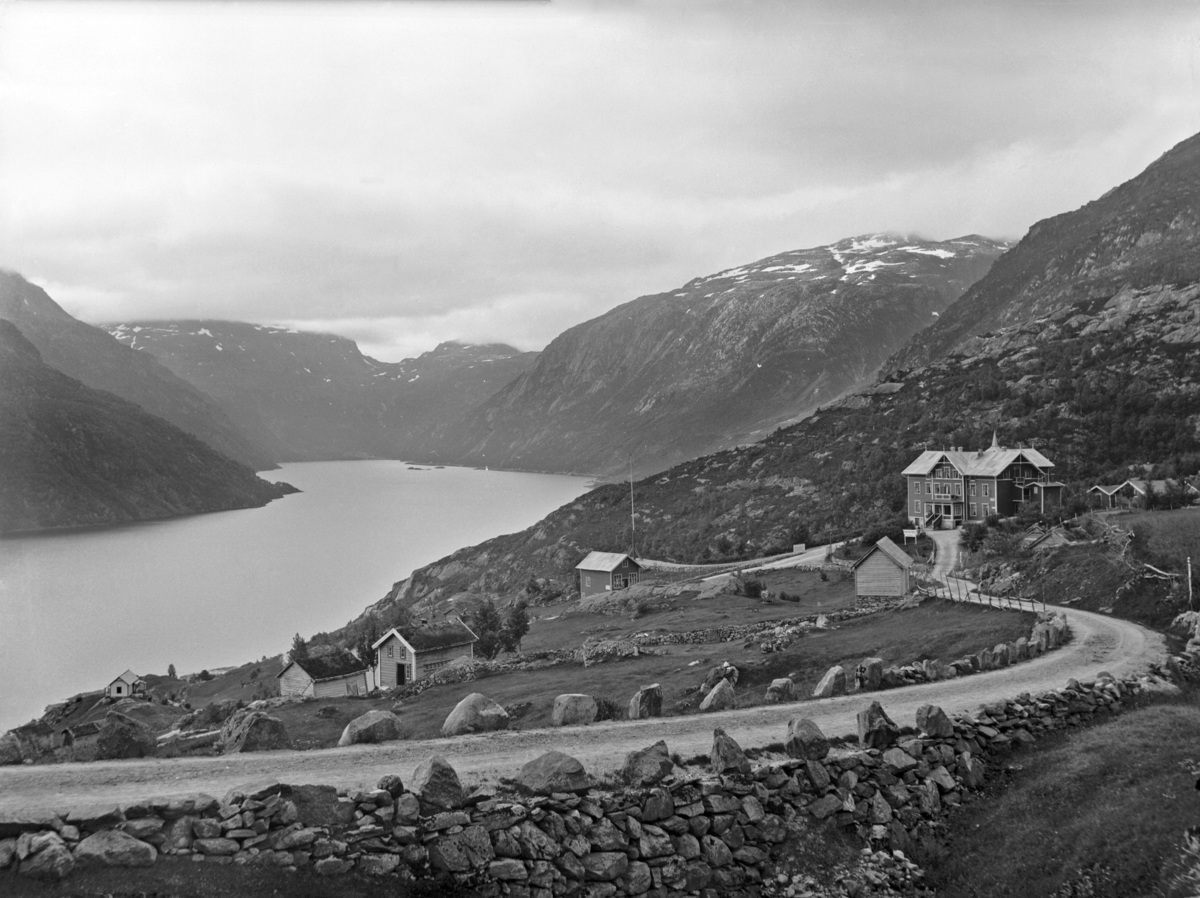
point(1098, 643)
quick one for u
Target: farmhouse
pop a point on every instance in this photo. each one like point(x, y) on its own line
point(332, 674)
point(605, 571)
point(125, 685)
point(883, 571)
point(404, 656)
point(951, 487)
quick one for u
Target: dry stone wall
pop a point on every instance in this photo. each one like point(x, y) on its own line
point(674, 831)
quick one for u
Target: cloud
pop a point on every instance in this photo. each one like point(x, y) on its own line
point(420, 172)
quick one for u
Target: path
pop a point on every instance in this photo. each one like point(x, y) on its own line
point(1099, 643)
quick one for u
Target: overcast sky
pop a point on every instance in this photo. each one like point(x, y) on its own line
point(409, 173)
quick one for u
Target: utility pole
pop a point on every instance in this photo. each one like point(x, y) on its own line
point(1191, 604)
point(632, 517)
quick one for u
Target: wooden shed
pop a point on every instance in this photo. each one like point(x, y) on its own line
point(883, 571)
point(603, 572)
point(332, 674)
point(401, 657)
point(125, 685)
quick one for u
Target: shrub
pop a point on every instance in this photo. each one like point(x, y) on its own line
point(752, 589)
point(608, 709)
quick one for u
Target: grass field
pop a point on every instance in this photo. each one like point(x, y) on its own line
point(1097, 812)
point(935, 629)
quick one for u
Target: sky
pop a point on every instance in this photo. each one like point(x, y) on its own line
point(408, 173)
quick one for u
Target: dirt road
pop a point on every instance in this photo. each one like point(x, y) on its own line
point(1099, 643)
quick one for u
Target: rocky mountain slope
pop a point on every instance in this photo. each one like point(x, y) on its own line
point(311, 396)
point(1139, 235)
point(722, 360)
point(73, 456)
point(94, 358)
point(1107, 378)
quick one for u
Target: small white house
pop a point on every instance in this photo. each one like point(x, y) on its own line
point(401, 657)
point(883, 571)
point(125, 685)
point(332, 674)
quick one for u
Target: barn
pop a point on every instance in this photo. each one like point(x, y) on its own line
point(334, 673)
point(603, 572)
point(404, 656)
point(883, 571)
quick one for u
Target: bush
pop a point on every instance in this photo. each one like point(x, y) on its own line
point(752, 589)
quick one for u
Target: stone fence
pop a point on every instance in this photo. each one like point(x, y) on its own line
point(669, 831)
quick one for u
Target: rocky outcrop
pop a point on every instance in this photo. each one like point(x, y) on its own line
point(553, 772)
point(475, 714)
point(573, 710)
point(11, 751)
point(833, 683)
point(121, 736)
point(781, 690)
point(372, 727)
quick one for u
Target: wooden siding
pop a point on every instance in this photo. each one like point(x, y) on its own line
point(295, 682)
point(441, 657)
point(386, 671)
point(602, 581)
point(417, 667)
point(880, 576)
point(350, 684)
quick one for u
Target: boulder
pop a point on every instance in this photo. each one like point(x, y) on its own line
point(647, 766)
point(253, 731)
point(475, 714)
point(868, 675)
point(436, 783)
point(646, 702)
point(372, 727)
point(724, 671)
point(805, 740)
point(10, 750)
point(727, 756)
point(554, 772)
point(123, 737)
point(113, 848)
point(781, 690)
point(574, 709)
point(833, 683)
point(721, 698)
point(875, 728)
point(52, 863)
point(933, 721)
point(391, 784)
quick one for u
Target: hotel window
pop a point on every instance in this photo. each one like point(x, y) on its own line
point(917, 506)
point(972, 487)
point(986, 487)
point(974, 512)
point(958, 489)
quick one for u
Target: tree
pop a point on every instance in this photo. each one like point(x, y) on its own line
point(299, 650)
point(485, 622)
point(516, 625)
point(171, 671)
point(368, 633)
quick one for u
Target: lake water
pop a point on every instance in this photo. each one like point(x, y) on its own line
point(78, 608)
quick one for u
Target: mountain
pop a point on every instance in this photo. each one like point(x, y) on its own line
point(1138, 236)
point(722, 360)
point(311, 396)
point(95, 359)
point(75, 456)
point(1096, 363)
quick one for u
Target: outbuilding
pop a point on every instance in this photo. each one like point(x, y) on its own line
point(125, 685)
point(883, 571)
point(603, 572)
point(335, 673)
point(81, 735)
point(401, 657)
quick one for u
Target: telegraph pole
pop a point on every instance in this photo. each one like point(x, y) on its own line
point(632, 516)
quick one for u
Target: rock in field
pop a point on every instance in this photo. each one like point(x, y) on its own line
point(805, 740)
point(727, 756)
point(574, 709)
point(723, 671)
point(647, 766)
point(554, 772)
point(875, 728)
point(833, 683)
point(10, 750)
point(123, 737)
point(372, 727)
point(436, 783)
point(721, 698)
point(253, 731)
point(113, 848)
point(475, 714)
point(781, 690)
point(869, 674)
point(646, 702)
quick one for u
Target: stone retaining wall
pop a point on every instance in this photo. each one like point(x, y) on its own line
point(675, 831)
